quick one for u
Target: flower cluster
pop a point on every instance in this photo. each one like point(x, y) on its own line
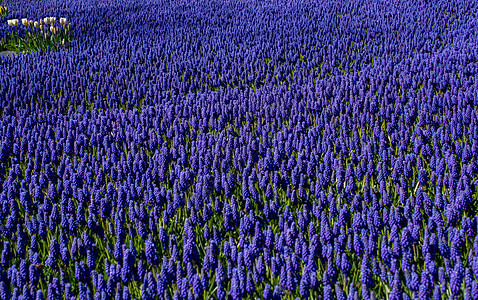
point(243, 149)
point(38, 36)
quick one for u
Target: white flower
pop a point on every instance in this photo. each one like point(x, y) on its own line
point(52, 20)
point(46, 21)
point(25, 22)
point(36, 24)
point(52, 29)
point(63, 21)
point(13, 22)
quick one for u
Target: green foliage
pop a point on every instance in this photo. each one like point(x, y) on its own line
point(3, 45)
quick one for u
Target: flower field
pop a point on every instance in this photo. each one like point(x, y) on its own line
point(250, 149)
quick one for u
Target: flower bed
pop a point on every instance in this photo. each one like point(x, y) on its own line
point(242, 150)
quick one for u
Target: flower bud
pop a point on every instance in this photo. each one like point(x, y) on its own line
point(36, 24)
point(47, 21)
point(63, 21)
point(25, 22)
point(52, 29)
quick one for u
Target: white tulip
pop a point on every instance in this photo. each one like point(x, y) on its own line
point(63, 21)
point(25, 22)
point(52, 20)
point(52, 29)
point(36, 24)
point(46, 21)
point(12, 22)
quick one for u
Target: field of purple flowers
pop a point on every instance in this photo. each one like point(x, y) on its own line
point(251, 149)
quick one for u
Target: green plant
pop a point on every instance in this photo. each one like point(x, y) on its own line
point(3, 11)
point(3, 45)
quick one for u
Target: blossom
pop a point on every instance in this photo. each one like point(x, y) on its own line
point(12, 22)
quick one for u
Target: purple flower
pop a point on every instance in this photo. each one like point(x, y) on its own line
point(54, 252)
point(366, 276)
point(442, 278)
point(437, 292)
point(127, 269)
point(267, 293)
point(340, 295)
point(81, 273)
point(235, 291)
point(151, 252)
point(304, 285)
point(474, 290)
point(221, 293)
point(38, 296)
point(457, 277)
point(328, 295)
point(422, 177)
